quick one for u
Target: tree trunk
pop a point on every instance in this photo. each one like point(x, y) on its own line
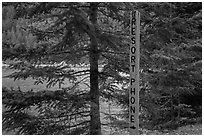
point(95, 125)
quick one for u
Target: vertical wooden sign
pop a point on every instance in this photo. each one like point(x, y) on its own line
point(134, 73)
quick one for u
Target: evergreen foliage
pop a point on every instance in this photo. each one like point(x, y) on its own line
point(60, 35)
point(172, 50)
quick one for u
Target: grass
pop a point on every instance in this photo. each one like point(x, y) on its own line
point(195, 129)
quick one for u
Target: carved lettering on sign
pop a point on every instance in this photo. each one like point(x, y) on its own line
point(134, 73)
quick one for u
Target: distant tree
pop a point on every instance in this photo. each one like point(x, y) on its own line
point(170, 68)
point(171, 59)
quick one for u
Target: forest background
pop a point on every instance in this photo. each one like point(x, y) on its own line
point(76, 55)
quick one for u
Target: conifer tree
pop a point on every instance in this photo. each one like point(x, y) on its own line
point(61, 35)
point(97, 33)
point(171, 61)
point(170, 67)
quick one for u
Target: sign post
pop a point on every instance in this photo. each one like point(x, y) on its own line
point(134, 73)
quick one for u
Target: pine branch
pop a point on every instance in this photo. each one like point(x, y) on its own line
point(112, 52)
point(12, 53)
point(78, 73)
point(82, 123)
point(77, 83)
point(122, 35)
point(65, 115)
